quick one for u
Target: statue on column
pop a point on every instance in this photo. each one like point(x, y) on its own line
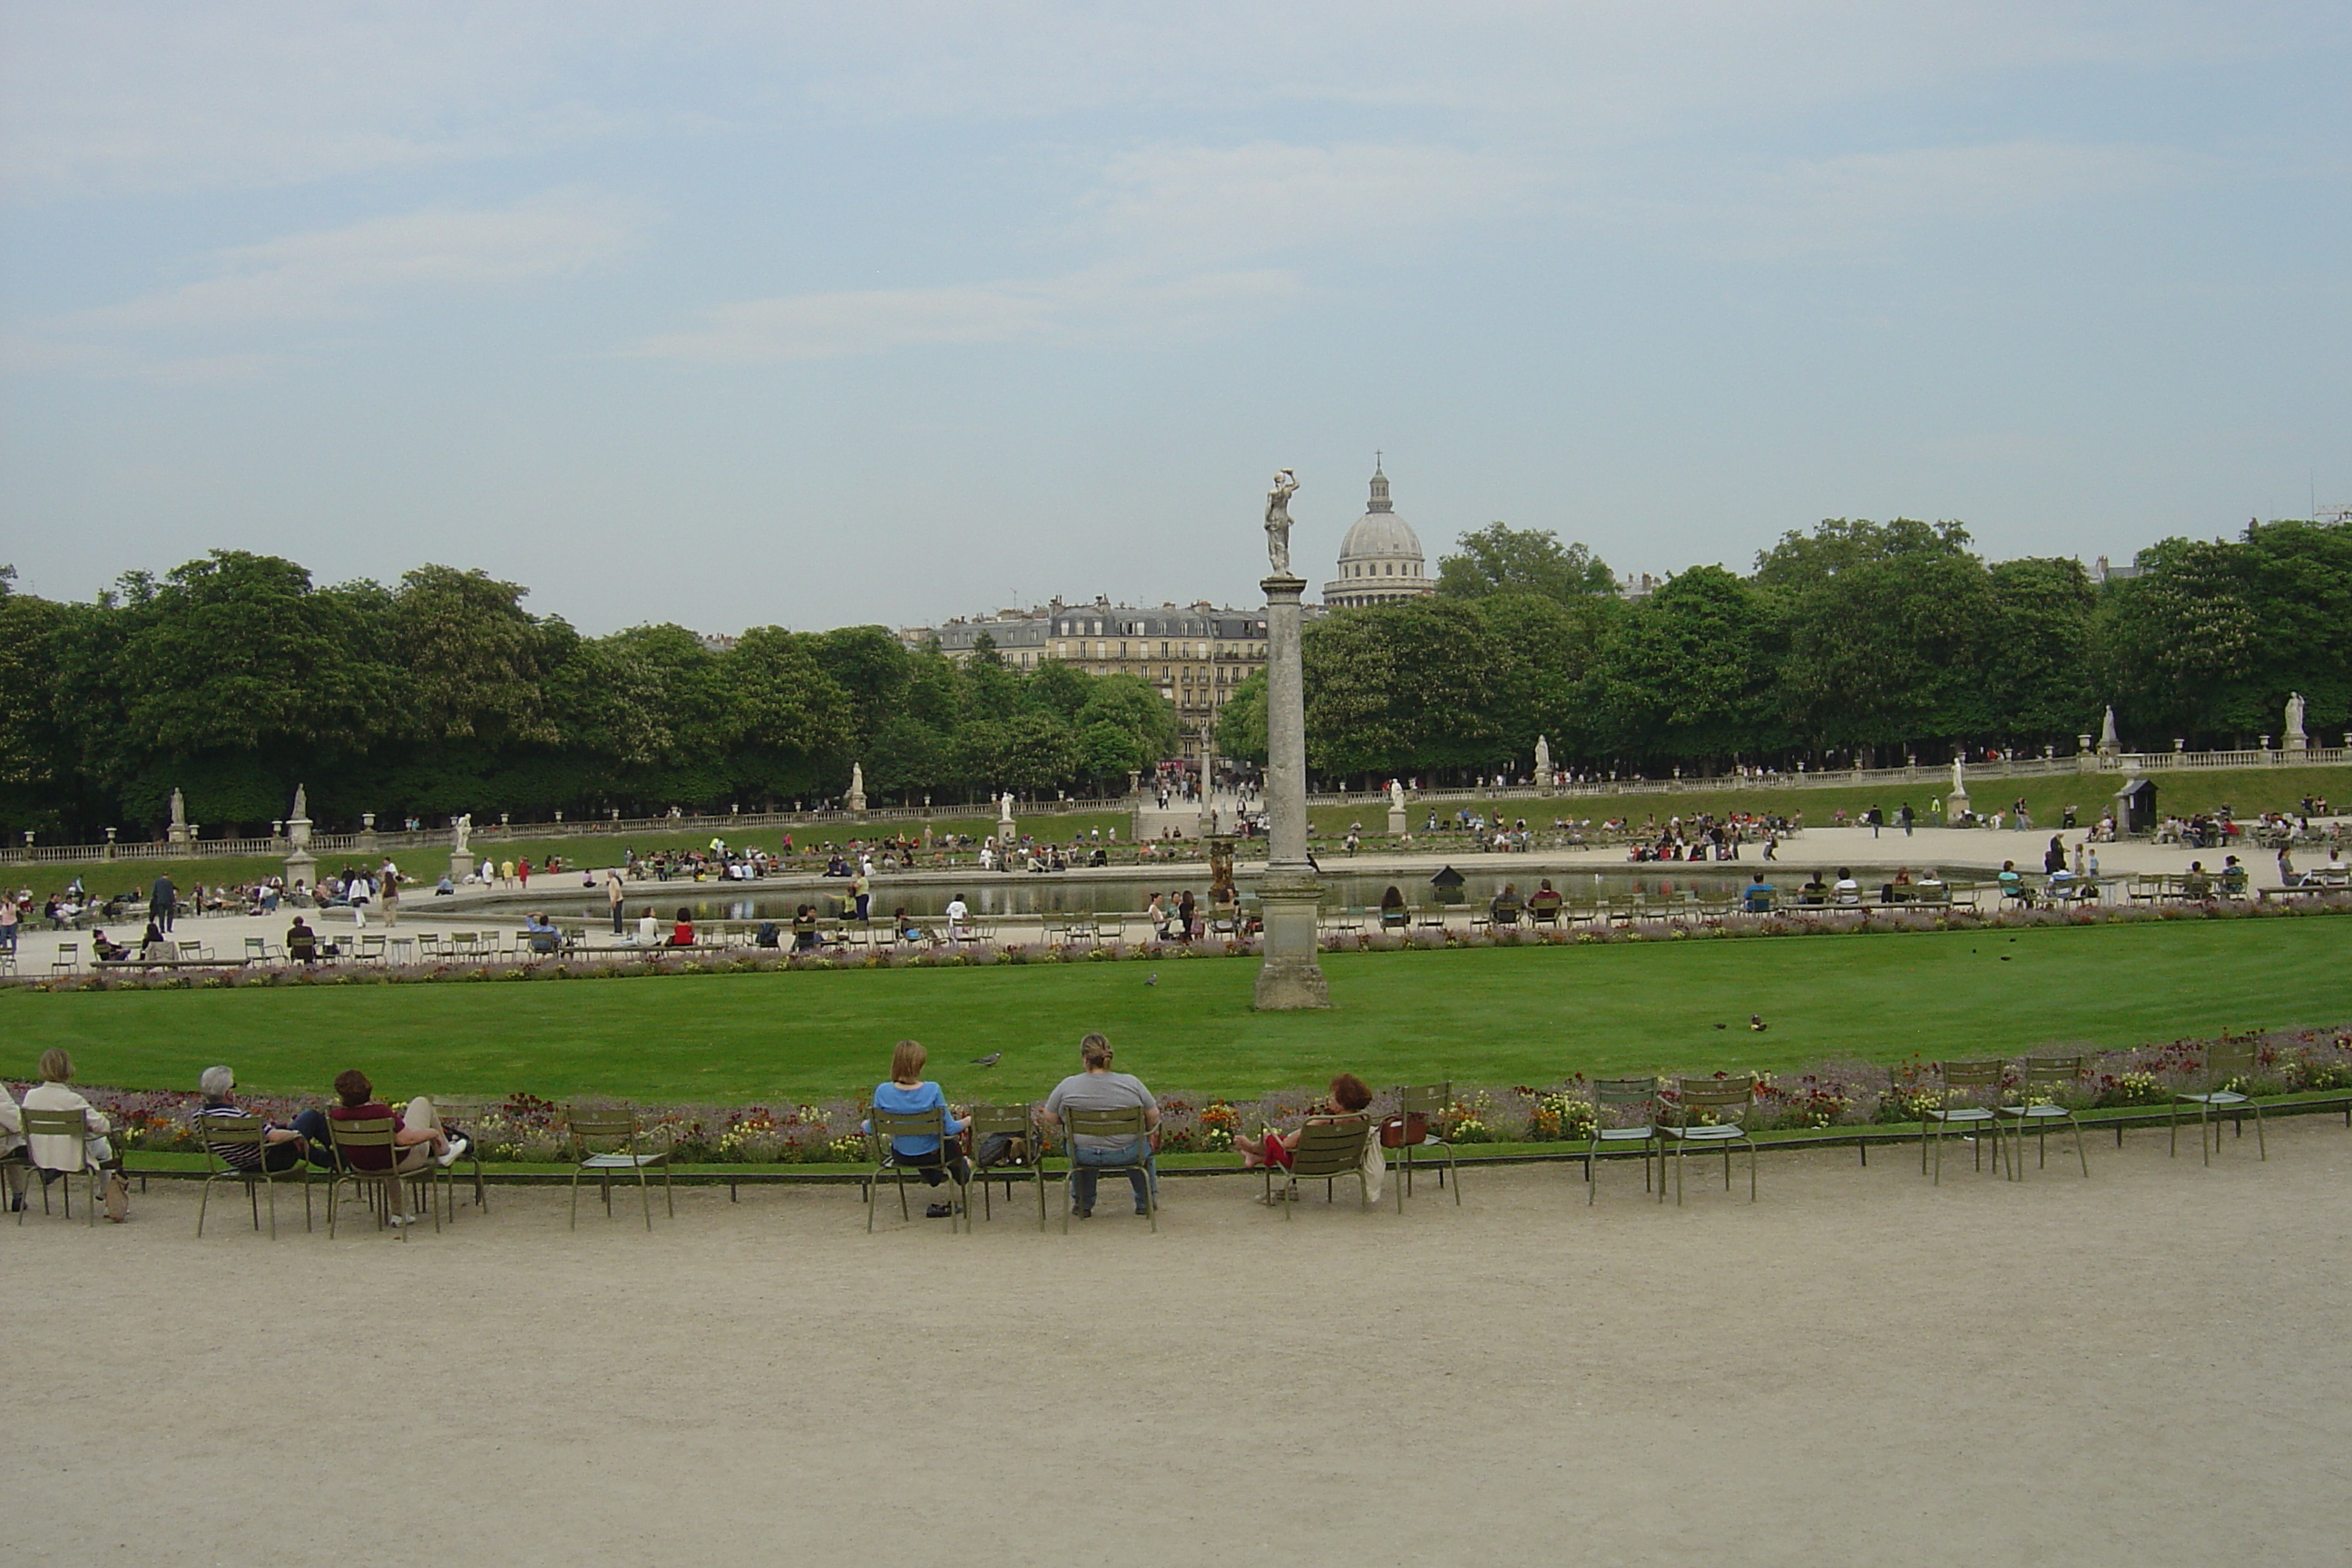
point(1278, 521)
point(461, 829)
point(2295, 735)
point(1396, 796)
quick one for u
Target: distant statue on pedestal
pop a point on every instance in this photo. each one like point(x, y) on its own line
point(1396, 796)
point(2296, 740)
point(179, 831)
point(2109, 741)
point(461, 831)
point(1278, 521)
point(856, 801)
point(1543, 759)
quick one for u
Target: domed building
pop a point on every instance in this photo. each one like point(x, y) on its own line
point(1381, 560)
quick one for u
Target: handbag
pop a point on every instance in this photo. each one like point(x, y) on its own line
point(1398, 1132)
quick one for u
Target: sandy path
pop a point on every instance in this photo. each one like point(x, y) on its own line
point(2147, 1368)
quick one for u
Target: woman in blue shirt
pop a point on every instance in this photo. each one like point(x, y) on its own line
point(907, 1093)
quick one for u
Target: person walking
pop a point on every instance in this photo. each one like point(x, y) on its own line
point(1906, 818)
point(387, 894)
point(613, 894)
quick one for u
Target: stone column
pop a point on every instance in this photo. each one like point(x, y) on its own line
point(1290, 979)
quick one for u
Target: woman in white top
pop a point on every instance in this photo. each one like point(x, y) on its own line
point(92, 1150)
point(958, 914)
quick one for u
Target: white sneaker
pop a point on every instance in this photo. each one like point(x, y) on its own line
point(455, 1152)
point(407, 1219)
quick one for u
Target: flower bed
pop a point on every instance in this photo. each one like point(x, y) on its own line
point(524, 1129)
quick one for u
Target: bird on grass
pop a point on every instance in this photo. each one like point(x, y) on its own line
point(1152, 978)
point(1723, 1026)
point(1756, 1022)
point(990, 1060)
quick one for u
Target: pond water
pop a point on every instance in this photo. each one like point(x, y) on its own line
point(1033, 893)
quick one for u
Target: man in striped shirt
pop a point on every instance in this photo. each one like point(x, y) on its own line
point(281, 1148)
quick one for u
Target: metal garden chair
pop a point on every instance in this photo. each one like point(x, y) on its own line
point(1726, 1103)
point(463, 1114)
point(883, 1128)
point(1023, 1156)
point(2038, 1072)
point(379, 1186)
point(2227, 1062)
point(73, 1124)
point(605, 1140)
point(1329, 1150)
point(1609, 1093)
point(1127, 1123)
point(1430, 1102)
point(1935, 1121)
point(217, 1132)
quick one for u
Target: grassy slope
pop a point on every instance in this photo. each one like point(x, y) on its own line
point(1491, 1016)
point(2248, 793)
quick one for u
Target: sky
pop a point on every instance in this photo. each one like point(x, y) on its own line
point(815, 314)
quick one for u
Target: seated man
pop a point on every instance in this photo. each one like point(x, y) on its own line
point(1505, 910)
point(540, 932)
point(1848, 891)
point(301, 941)
point(2198, 883)
point(1545, 900)
point(282, 1148)
point(107, 949)
point(1099, 1089)
point(418, 1135)
point(1756, 898)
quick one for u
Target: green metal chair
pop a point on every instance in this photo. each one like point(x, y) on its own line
point(1330, 1149)
point(883, 1128)
point(1430, 1102)
point(1725, 1102)
point(2040, 1072)
point(1957, 1078)
point(377, 1185)
point(219, 1132)
point(1127, 1123)
point(463, 1114)
point(605, 1140)
point(73, 1124)
point(1609, 1093)
point(2226, 1062)
point(1023, 1161)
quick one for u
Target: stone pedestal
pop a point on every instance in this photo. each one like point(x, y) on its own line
point(461, 865)
point(1956, 806)
point(1398, 827)
point(1290, 978)
point(301, 866)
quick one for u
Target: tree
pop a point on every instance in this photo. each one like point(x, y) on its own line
point(473, 658)
point(1692, 673)
point(1500, 559)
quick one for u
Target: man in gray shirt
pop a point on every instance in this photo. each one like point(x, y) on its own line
point(1099, 1089)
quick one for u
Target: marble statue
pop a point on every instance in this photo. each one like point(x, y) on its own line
point(2295, 715)
point(1543, 759)
point(462, 832)
point(857, 778)
point(179, 809)
point(1959, 784)
point(1278, 521)
point(2109, 741)
point(301, 806)
point(1396, 795)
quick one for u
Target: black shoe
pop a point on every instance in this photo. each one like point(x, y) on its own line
point(1143, 1213)
point(940, 1211)
point(1082, 1214)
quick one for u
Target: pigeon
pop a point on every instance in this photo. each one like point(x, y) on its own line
point(2004, 958)
point(1152, 978)
point(1723, 1026)
point(1756, 1022)
point(990, 1060)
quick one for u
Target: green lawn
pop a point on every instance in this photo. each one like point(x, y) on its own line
point(1480, 1015)
point(2248, 792)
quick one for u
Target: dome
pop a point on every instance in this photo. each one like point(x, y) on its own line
point(1381, 558)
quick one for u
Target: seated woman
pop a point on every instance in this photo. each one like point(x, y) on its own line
point(907, 1094)
point(682, 934)
point(804, 937)
point(1156, 915)
point(908, 930)
point(1505, 910)
point(1814, 890)
point(57, 1154)
point(1394, 916)
point(418, 1135)
point(1348, 1098)
point(154, 943)
point(107, 949)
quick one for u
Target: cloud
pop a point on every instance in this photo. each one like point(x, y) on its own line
point(1272, 195)
point(1098, 303)
point(340, 273)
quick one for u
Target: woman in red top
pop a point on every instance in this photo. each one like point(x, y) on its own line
point(1348, 1098)
point(682, 934)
